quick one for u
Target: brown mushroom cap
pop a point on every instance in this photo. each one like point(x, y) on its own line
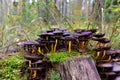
point(62, 29)
point(85, 34)
point(104, 40)
point(29, 68)
point(110, 73)
point(58, 32)
point(106, 48)
point(49, 31)
point(29, 57)
point(43, 42)
point(105, 65)
point(57, 37)
point(116, 67)
point(66, 34)
point(99, 35)
point(69, 38)
point(97, 49)
point(29, 43)
point(78, 30)
point(97, 39)
point(45, 34)
point(38, 62)
point(93, 30)
point(111, 52)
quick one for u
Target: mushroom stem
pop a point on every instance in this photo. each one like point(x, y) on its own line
point(83, 44)
point(33, 50)
point(97, 54)
point(56, 41)
point(104, 53)
point(39, 50)
point(46, 37)
point(69, 47)
point(104, 45)
point(107, 60)
point(29, 63)
point(30, 66)
point(98, 44)
point(35, 72)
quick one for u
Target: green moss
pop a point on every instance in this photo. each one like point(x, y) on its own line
point(9, 68)
point(62, 56)
point(58, 56)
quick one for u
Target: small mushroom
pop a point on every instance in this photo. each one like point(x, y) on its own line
point(57, 34)
point(46, 35)
point(104, 41)
point(78, 30)
point(28, 46)
point(66, 34)
point(105, 51)
point(49, 31)
point(31, 58)
point(56, 42)
point(98, 52)
point(93, 30)
point(106, 67)
point(99, 35)
point(116, 67)
point(110, 75)
point(69, 39)
point(62, 29)
point(39, 48)
point(110, 54)
point(38, 62)
point(34, 70)
point(83, 38)
point(34, 58)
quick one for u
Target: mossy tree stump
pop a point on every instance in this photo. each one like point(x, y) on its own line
point(79, 69)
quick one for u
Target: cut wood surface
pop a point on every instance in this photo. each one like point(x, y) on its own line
point(79, 69)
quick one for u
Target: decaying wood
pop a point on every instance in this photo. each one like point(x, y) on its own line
point(79, 69)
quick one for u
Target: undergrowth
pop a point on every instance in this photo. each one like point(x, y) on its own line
point(53, 75)
point(9, 68)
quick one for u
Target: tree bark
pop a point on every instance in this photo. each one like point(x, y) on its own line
point(78, 69)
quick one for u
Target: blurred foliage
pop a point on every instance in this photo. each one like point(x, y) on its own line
point(36, 17)
point(112, 9)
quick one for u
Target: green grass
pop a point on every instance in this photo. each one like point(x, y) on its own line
point(10, 66)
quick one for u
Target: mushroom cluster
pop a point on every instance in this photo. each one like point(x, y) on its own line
point(108, 59)
point(58, 39)
point(102, 47)
point(109, 70)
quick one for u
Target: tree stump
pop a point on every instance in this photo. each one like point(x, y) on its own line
point(79, 69)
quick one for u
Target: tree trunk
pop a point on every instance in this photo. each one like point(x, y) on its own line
point(78, 69)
